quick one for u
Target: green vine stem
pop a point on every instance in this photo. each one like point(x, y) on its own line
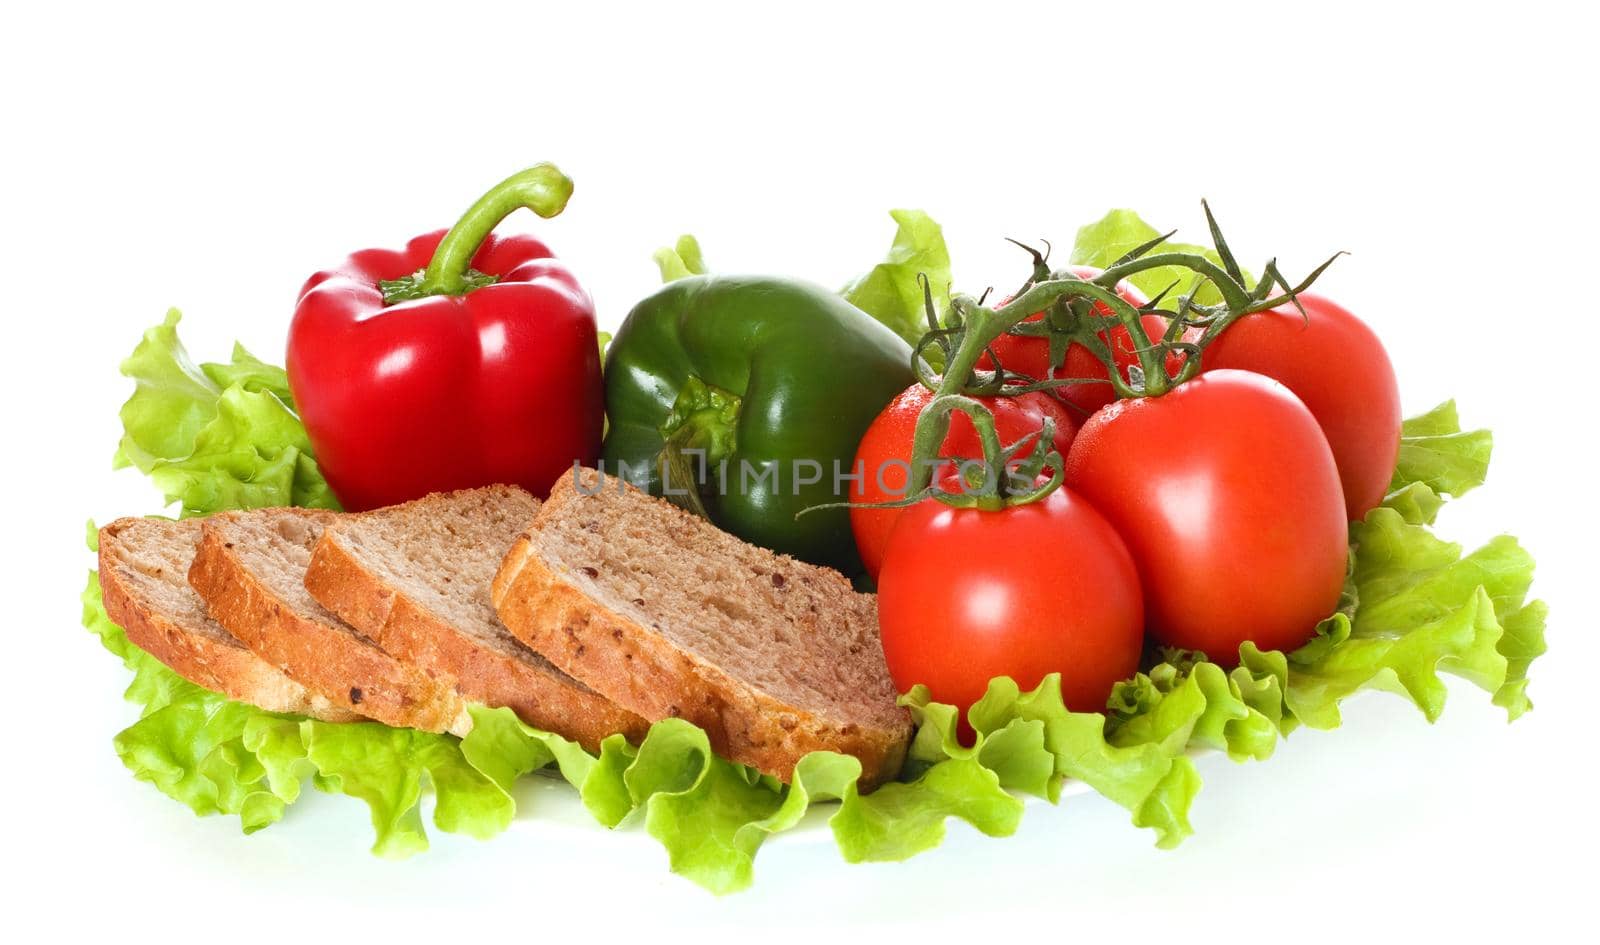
point(1073, 306)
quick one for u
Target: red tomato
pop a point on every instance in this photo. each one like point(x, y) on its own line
point(1047, 587)
point(1031, 356)
point(1228, 497)
point(1337, 366)
point(884, 456)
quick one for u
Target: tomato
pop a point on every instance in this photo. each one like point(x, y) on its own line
point(1047, 587)
point(1031, 355)
point(1227, 494)
point(883, 459)
point(1337, 366)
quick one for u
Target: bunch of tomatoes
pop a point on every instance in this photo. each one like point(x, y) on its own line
point(1212, 514)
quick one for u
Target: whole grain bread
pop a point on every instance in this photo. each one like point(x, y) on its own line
point(250, 571)
point(415, 579)
point(144, 565)
point(671, 617)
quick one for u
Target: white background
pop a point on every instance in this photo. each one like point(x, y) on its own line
point(211, 158)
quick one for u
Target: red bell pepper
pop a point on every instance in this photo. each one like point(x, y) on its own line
point(415, 372)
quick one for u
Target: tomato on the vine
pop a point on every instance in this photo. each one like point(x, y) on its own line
point(1228, 497)
point(1336, 365)
point(883, 459)
point(1047, 587)
point(1030, 355)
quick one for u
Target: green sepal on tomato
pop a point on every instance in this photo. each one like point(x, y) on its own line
point(463, 359)
point(883, 459)
point(1031, 354)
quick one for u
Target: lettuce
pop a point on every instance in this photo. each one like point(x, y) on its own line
point(892, 290)
point(216, 436)
point(1436, 453)
point(387, 769)
point(712, 815)
point(1415, 608)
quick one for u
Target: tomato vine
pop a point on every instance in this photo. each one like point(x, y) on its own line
point(1073, 305)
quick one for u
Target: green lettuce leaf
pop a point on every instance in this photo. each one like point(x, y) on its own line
point(1148, 773)
point(1102, 243)
point(216, 436)
point(696, 805)
point(278, 742)
point(891, 291)
point(193, 750)
point(1521, 642)
point(504, 748)
point(1425, 608)
point(251, 373)
point(712, 816)
point(387, 768)
point(902, 819)
point(1436, 453)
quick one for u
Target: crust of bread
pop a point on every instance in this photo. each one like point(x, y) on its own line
point(351, 673)
point(217, 665)
point(413, 633)
point(639, 669)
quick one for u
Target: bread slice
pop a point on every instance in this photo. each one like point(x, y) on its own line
point(250, 571)
point(415, 579)
point(671, 617)
point(143, 567)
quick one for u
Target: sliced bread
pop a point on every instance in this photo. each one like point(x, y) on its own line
point(415, 579)
point(250, 570)
point(144, 565)
point(669, 616)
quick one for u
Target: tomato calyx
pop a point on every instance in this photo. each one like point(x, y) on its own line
point(1004, 476)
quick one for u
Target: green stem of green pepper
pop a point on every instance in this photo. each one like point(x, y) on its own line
point(680, 481)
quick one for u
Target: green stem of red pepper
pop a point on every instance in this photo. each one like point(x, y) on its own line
point(541, 188)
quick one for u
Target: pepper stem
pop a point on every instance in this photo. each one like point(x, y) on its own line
point(541, 188)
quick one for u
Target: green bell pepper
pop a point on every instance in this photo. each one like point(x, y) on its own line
point(752, 393)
